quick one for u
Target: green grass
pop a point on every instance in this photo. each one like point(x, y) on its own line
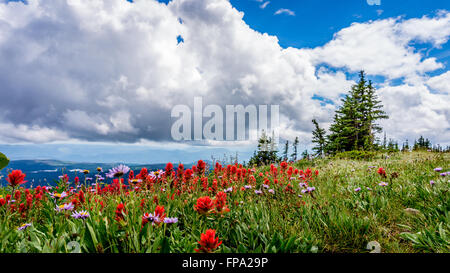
point(334, 219)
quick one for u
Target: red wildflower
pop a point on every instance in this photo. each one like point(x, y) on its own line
point(2, 202)
point(381, 172)
point(208, 241)
point(169, 169)
point(17, 195)
point(221, 201)
point(204, 205)
point(81, 196)
point(159, 212)
point(16, 178)
point(120, 211)
point(131, 175)
point(143, 174)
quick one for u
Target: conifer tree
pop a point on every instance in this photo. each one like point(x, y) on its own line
point(354, 125)
point(286, 151)
point(295, 145)
point(318, 139)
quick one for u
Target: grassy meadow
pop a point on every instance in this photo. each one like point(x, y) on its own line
point(395, 204)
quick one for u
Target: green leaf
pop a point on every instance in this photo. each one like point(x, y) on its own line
point(165, 247)
point(4, 161)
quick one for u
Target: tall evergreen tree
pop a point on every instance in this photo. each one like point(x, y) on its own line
point(294, 146)
point(318, 138)
point(286, 151)
point(267, 151)
point(354, 125)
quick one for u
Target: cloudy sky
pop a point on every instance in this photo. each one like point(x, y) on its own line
point(96, 80)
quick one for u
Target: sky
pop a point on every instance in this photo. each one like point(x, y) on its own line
point(96, 81)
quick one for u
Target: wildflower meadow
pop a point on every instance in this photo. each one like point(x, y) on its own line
point(398, 204)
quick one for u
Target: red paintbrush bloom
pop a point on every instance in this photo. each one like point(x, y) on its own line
point(120, 211)
point(381, 172)
point(221, 202)
point(81, 196)
point(283, 165)
point(201, 166)
point(208, 242)
point(159, 213)
point(2, 202)
point(17, 195)
point(204, 205)
point(131, 175)
point(143, 174)
point(169, 169)
point(16, 178)
point(142, 203)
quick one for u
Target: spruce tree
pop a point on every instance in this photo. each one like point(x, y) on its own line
point(318, 139)
point(354, 124)
point(295, 145)
point(286, 151)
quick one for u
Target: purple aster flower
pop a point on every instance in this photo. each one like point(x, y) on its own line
point(64, 207)
point(357, 189)
point(24, 226)
point(438, 169)
point(443, 174)
point(58, 195)
point(151, 218)
point(258, 192)
point(88, 178)
point(157, 174)
point(302, 185)
point(80, 215)
point(230, 189)
point(383, 184)
point(368, 188)
point(118, 171)
point(247, 187)
point(266, 186)
point(271, 191)
point(300, 196)
point(169, 220)
point(432, 182)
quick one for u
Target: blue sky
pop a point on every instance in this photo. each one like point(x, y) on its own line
point(60, 107)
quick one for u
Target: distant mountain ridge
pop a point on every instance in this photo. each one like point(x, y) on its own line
point(43, 172)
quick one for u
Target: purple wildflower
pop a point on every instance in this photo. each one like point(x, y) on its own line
point(68, 206)
point(358, 189)
point(80, 215)
point(432, 182)
point(383, 184)
point(169, 220)
point(271, 191)
point(258, 192)
point(118, 171)
point(24, 226)
point(247, 187)
point(438, 169)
